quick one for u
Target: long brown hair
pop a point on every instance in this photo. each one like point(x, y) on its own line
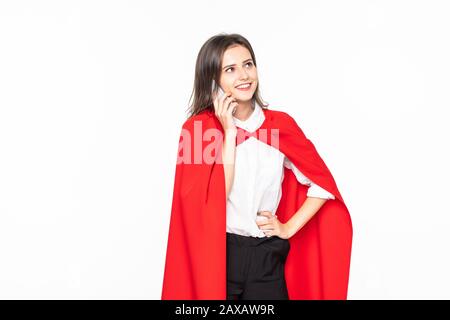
point(208, 67)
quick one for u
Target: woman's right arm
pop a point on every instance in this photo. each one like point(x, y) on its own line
point(223, 110)
point(228, 156)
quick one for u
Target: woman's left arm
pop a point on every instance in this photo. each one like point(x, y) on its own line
point(308, 209)
point(273, 227)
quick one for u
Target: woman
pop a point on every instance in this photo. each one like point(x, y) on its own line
point(247, 181)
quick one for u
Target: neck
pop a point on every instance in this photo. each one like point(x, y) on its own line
point(243, 110)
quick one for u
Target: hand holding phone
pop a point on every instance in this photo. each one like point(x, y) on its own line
point(224, 106)
point(218, 92)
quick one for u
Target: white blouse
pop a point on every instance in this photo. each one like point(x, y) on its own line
point(258, 175)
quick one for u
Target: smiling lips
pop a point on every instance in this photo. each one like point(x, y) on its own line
point(244, 87)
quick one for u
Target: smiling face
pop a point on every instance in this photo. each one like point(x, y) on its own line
point(238, 68)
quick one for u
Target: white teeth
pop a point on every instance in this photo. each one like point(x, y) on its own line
point(244, 86)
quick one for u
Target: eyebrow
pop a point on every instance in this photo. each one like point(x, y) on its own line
point(230, 65)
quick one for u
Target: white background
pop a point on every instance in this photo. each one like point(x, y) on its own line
point(93, 95)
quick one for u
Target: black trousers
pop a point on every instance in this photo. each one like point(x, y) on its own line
point(255, 267)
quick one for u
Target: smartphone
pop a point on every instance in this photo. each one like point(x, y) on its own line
point(216, 88)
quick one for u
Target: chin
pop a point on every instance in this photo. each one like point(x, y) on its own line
point(239, 100)
point(244, 96)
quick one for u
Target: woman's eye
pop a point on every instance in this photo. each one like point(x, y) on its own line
point(231, 68)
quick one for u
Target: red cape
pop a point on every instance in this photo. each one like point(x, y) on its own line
point(318, 263)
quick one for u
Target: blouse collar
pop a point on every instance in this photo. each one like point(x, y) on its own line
point(253, 122)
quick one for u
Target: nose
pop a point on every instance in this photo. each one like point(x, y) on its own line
point(243, 75)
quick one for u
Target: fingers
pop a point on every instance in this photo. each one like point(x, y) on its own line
point(224, 98)
point(267, 227)
point(266, 224)
point(231, 108)
point(267, 214)
point(221, 103)
point(269, 233)
point(270, 229)
point(263, 222)
point(224, 109)
point(228, 104)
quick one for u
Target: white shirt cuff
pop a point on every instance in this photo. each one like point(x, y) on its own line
point(315, 191)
